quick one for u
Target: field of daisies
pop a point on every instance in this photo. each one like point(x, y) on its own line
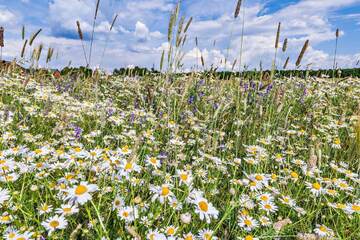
point(179, 157)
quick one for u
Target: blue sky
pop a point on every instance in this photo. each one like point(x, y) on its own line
point(139, 35)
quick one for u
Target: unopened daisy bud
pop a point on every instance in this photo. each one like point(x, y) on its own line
point(232, 191)
point(34, 188)
point(281, 224)
point(137, 200)
point(185, 218)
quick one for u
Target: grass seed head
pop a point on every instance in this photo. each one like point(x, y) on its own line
point(237, 9)
point(278, 36)
point(285, 45)
point(1, 37)
point(302, 53)
point(34, 36)
point(81, 36)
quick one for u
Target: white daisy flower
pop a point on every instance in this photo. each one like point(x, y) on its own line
point(67, 209)
point(269, 207)
point(128, 214)
point(323, 231)
point(288, 201)
point(315, 188)
point(247, 223)
point(185, 177)
point(4, 196)
point(118, 203)
point(54, 223)
point(153, 161)
point(205, 209)
point(352, 208)
point(265, 221)
point(155, 235)
point(206, 234)
point(81, 193)
point(162, 193)
point(265, 197)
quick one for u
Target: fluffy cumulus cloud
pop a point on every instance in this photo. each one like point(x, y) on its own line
point(6, 16)
point(140, 33)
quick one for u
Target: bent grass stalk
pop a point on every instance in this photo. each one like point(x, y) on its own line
point(81, 37)
point(93, 31)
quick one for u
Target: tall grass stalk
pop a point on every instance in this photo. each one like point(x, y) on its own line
point(1, 41)
point(93, 31)
point(277, 40)
point(81, 37)
point(337, 34)
point(242, 38)
point(107, 38)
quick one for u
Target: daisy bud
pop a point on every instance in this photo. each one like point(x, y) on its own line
point(232, 191)
point(137, 200)
point(185, 218)
point(34, 188)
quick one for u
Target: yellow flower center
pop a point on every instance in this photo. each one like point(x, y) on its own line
point(259, 177)
point(323, 228)
point(355, 208)
point(247, 222)
point(294, 175)
point(267, 206)
point(204, 206)
point(165, 191)
point(340, 205)
point(125, 149)
point(80, 190)
point(38, 151)
point(245, 212)
point(170, 231)
point(207, 236)
point(184, 176)
point(9, 178)
point(343, 185)
point(60, 152)
point(331, 191)
point(77, 149)
point(264, 198)
point(125, 214)
point(316, 186)
point(153, 160)
point(67, 210)
point(54, 224)
point(5, 218)
point(188, 237)
point(249, 237)
point(128, 166)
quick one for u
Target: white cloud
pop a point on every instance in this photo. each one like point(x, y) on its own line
point(6, 16)
point(139, 35)
point(141, 31)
